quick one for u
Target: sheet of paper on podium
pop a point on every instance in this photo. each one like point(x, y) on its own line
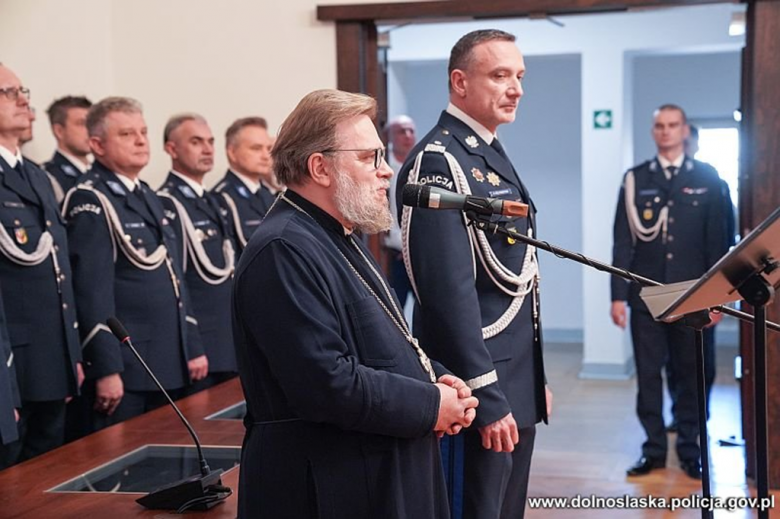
point(719, 285)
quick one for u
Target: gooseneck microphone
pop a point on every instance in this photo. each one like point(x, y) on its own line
point(429, 197)
point(196, 492)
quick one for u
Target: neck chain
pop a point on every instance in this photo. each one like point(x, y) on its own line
point(396, 316)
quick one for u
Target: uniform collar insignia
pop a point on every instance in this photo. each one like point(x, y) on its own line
point(688, 165)
point(654, 165)
point(68, 170)
point(187, 192)
point(243, 191)
point(472, 141)
point(116, 188)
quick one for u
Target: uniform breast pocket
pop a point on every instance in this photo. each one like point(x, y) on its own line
point(21, 224)
point(374, 332)
point(693, 201)
point(648, 203)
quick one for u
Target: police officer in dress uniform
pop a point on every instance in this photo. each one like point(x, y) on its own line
point(342, 402)
point(477, 295)
point(205, 239)
point(125, 264)
point(670, 226)
point(242, 193)
point(35, 276)
point(10, 400)
point(68, 119)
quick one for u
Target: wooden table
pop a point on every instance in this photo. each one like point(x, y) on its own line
point(23, 487)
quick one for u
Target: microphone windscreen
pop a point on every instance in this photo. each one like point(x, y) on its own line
point(414, 194)
point(117, 329)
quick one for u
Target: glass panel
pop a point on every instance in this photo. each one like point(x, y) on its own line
point(234, 412)
point(149, 468)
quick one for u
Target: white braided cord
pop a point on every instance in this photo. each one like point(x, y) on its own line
point(638, 230)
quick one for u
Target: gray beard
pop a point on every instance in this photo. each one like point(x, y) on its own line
point(356, 205)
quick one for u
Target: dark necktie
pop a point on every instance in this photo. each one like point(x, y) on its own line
point(672, 170)
point(500, 149)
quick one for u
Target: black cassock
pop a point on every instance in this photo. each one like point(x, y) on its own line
point(340, 410)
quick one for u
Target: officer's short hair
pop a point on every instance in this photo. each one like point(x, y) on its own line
point(58, 110)
point(239, 124)
point(96, 117)
point(179, 119)
point(462, 54)
point(670, 106)
point(311, 128)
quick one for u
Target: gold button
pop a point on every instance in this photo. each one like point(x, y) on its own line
point(671, 203)
point(17, 222)
point(657, 199)
point(64, 306)
point(48, 223)
point(445, 132)
point(670, 238)
point(139, 240)
point(62, 277)
point(671, 219)
point(695, 203)
point(128, 237)
point(180, 305)
point(669, 255)
point(57, 248)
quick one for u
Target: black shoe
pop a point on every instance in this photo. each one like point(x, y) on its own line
point(692, 468)
point(644, 465)
point(672, 427)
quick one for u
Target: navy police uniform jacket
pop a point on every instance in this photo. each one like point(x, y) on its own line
point(151, 302)
point(207, 266)
point(455, 295)
point(63, 173)
point(244, 209)
point(674, 230)
point(40, 310)
point(9, 390)
point(340, 412)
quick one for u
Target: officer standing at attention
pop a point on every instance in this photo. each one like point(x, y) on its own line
point(669, 226)
point(205, 239)
point(68, 119)
point(477, 295)
point(125, 264)
point(241, 193)
point(36, 279)
point(9, 391)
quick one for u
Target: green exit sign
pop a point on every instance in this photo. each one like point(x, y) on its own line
point(602, 119)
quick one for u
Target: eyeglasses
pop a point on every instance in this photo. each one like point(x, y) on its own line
point(379, 155)
point(13, 93)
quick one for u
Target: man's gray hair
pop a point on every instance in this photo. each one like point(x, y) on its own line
point(96, 117)
point(179, 119)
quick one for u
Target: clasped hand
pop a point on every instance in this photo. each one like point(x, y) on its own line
point(457, 408)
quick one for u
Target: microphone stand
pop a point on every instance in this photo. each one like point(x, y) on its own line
point(696, 320)
point(199, 492)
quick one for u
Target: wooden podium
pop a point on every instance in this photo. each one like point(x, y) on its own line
point(24, 487)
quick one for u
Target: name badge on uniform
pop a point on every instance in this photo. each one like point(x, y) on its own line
point(647, 214)
point(15, 205)
point(21, 235)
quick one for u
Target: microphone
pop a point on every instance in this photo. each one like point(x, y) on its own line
point(199, 492)
point(429, 197)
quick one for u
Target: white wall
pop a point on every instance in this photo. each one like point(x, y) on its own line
point(222, 59)
point(607, 44)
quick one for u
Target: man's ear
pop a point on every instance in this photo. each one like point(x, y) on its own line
point(319, 169)
point(170, 149)
point(459, 82)
point(96, 145)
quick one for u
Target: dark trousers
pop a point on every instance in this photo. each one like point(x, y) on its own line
point(483, 484)
point(654, 343)
point(709, 372)
point(82, 418)
point(41, 429)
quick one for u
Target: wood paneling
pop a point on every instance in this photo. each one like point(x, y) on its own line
point(760, 183)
